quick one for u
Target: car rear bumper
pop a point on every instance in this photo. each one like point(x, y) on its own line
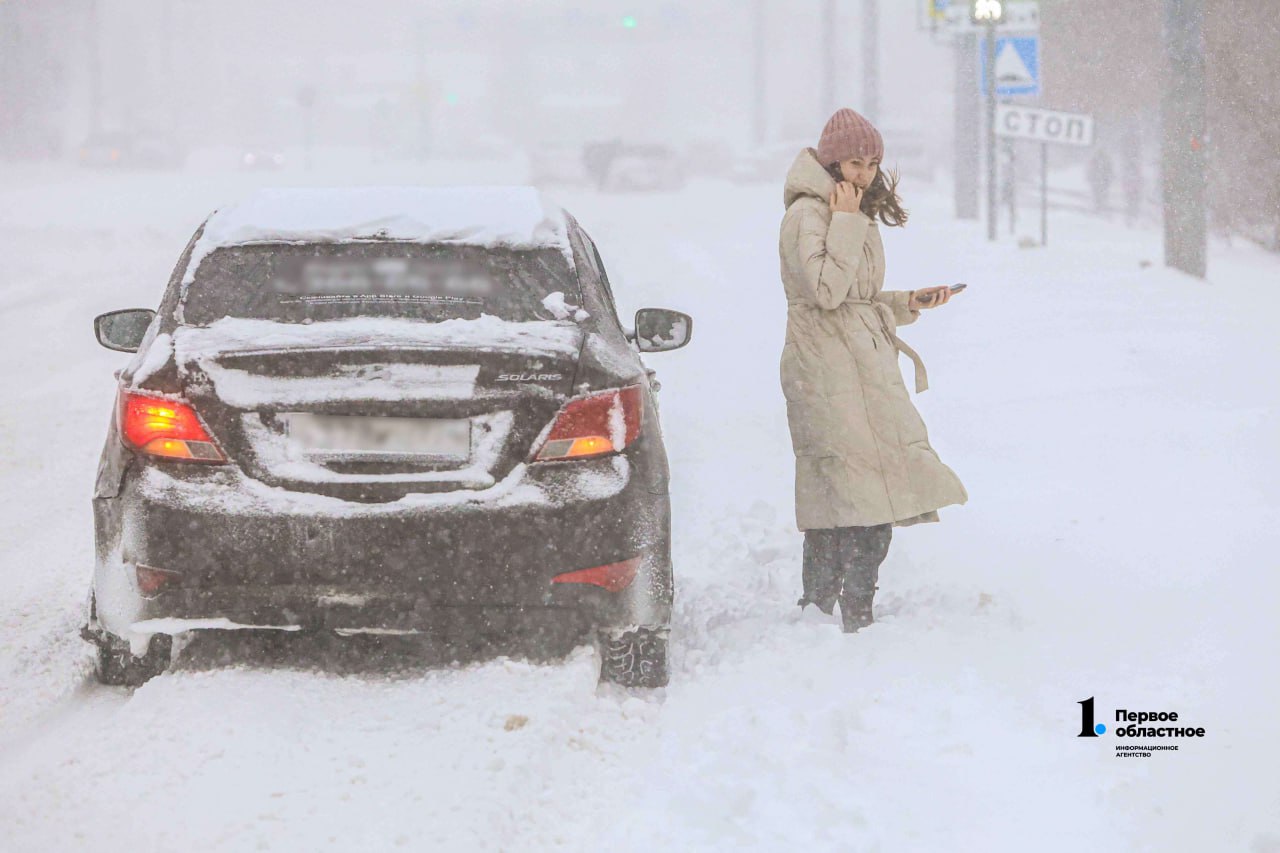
point(254, 556)
point(308, 609)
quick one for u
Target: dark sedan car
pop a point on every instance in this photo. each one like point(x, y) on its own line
point(130, 151)
point(385, 411)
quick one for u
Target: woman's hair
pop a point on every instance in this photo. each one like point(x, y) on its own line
point(881, 198)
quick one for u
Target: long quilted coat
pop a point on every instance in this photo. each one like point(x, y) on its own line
point(862, 452)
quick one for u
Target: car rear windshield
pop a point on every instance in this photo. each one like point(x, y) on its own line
point(296, 283)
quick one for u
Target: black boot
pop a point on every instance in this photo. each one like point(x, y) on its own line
point(824, 567)
point(862, 572)
point(856, 609)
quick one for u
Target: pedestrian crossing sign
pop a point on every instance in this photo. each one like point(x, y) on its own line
point(1017, 66)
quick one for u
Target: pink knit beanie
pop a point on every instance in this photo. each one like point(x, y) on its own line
point(848, 135)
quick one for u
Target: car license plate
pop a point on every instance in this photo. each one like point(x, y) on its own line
point(351, 434)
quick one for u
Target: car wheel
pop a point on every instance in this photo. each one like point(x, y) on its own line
point(635, 658)
point(117, 665)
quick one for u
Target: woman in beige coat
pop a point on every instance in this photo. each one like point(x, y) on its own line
point(863, 460)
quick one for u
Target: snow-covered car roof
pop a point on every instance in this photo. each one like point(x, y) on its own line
point(509, 217)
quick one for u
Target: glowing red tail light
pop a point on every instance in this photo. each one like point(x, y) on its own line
point(602, 423)
point(152, 581)
point(161, 427)
point(614, 577)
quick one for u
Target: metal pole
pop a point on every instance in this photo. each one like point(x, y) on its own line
point(871, 59)
point(1044, 193)
point(11, 82)
point(420, 74)
point(308, 136)
point(967, 128)
point(166, 59)
point(1011, 181)
point(989, 87)
point(1183, 156)
point(758, 77)
point(828, 58)
point(95, 71)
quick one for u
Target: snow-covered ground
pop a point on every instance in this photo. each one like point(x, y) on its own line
point(1114, 423)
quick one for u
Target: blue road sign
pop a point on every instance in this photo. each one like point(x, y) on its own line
point(1017, 66)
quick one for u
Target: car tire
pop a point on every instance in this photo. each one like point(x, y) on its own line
point(117, 665)
point(634, 658)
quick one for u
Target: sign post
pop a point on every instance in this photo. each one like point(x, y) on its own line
point(989, 86)
point(1014, 121)
point(1044, 194)
point(988, 14)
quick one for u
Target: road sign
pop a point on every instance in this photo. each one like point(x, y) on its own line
point(936, 10)
point(1020, 16)
point(1018, 122)
point(1017, 65)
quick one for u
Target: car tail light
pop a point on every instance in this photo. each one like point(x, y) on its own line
point(614, 577)
point(152, 581)
point(593, 426)
point(167, 428)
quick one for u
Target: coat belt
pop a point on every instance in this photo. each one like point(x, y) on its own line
point(884, 312)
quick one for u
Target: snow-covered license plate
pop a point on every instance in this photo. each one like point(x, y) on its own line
point(373, 435)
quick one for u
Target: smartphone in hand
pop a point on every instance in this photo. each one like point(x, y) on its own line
point(955, 288)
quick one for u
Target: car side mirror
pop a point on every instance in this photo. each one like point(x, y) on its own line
point(124, 330)
point(661, 330)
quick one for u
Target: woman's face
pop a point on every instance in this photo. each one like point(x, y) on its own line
point(860, 171)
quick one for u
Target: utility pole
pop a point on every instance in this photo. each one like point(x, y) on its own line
point(967, 127)
point(758, 98)
point(423, 94)
point(307, 101)
point(1010, 186)
point(95, 71)
point(989, 13)
point(871, 59)
point(1182, 108)
point(989, 88)
point(11, 67)
point(169, 96)
point(828, 58)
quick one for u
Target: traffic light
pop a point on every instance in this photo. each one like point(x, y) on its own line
point(629, 22)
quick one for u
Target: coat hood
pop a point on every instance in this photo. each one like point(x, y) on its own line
point(807, 177)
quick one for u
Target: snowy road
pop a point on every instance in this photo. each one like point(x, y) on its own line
point(1114, 424)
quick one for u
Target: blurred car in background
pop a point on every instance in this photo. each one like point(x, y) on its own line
point(123, 150)
point(616, 166)
point(262, 160)
point(644, 167)
point(558, 164)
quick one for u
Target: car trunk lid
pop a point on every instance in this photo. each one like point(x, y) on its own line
point(373, 410)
